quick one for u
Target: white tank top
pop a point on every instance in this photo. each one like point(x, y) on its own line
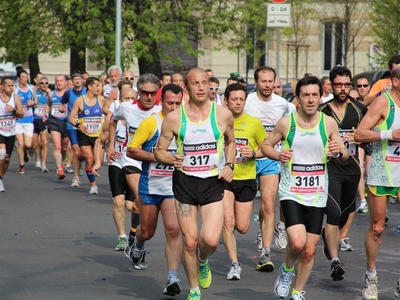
point(7, 119)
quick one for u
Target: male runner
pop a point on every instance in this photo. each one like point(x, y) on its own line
point(200, 128)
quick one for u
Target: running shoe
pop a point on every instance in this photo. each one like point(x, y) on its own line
point(60, 174)
point(44, 168)
point(94, 190)
point(204, 275)
point(172, 287)
point(194, 295)
point(75, 182)
point(363, 208)
point(325, 249)
point(265, 264)
point(298, 296)
point(21, 170)
point(122, 242)
point(2, 189)
point(138, 258)
point(370, 291)
point(344, 245)
point(81, 170)
point(69, 169)
point(26, 156)
point(392, 200)
point(234, 272)
point(283, 282)
point(38, 164)
point(281, 237)
point(337, 270)
point(258, 241)
point(127, 250)
point(397, 290)
point(31, 152)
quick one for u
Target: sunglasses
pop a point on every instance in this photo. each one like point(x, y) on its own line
point(340, 84)
point(44, 83)
point(129, 78)
point(214, 88)
point(148, 93)
point(362, 85)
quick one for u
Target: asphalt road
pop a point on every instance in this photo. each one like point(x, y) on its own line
point(57, 242)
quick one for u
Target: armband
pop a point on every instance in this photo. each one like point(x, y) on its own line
point(386, 135)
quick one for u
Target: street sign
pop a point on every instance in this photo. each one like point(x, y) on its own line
point(278, 15)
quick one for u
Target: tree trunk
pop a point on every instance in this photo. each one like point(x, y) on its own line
point(34, 68)
point(77, 59)
point(153, 66)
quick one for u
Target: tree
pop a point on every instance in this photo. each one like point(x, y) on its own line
point(384, 16)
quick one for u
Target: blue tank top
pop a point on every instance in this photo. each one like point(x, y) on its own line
point(73, 95)
point(28, 111)
point(39, 110)
point(55, 105)
point(92, 118)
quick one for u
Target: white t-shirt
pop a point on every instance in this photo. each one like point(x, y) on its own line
point(326, 99)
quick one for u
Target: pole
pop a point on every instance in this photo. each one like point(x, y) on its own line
point(278, 38)
point(287, 64)
point(118, 33)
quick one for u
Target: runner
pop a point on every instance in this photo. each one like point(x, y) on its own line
point(88, 108)
point(304, 181)
point(344, 177)
point(384, 172)
point(10, 110)
point(200, 128)
point(239, 194)
point(155, 191)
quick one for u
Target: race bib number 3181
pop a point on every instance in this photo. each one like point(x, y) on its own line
point(307, 178)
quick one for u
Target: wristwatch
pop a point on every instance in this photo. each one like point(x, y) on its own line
point(339, 155)
point(230, 165)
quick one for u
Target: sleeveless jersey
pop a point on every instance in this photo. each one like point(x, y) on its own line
point(248, 131)
point(69, 97)
point(304, 178)
point(156, 178)
point(107, 90)
point(39, 110)
point(120, 136)
point(133, 114)
point(353, 114)
point(92, 118)
point(269, 112)
point(7, 119)
point(55, 107)
point(384, 168)
point(201, 144)
point(25, 97)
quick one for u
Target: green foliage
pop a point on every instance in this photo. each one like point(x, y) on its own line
point(385, 19)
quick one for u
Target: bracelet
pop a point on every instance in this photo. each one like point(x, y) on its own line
point(254, 154)
point(386, 135)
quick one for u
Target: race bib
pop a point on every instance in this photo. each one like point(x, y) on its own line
point(240, 142)
point(307, 178)
point(200, 157)
point(393, 151)
point(27, 111)
point(40, 110)
point(93, 124)
point(7, 122)
point(157, 169)
point(55, 112)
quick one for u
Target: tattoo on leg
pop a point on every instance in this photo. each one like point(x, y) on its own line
point(185, 210)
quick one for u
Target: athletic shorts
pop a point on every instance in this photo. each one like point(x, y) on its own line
point(154, 199)
point(73, 136)
point(367, 148)
point(9, 141)
point(384, 190)
point(39, 126)
point(244, 190)
point(342, 196)
point(267, 167)
point(197, 191)
point(295, 213)
point(131, 170)
point(118, 184)
point(25, 128)
point(85, 140)
point(58, 126)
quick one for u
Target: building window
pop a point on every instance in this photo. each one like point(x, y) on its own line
point(333, 44)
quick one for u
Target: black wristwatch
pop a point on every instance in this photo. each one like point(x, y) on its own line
point(230, 165)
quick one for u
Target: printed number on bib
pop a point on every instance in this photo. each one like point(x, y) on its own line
point(40, 110)
point(7, 123)
point(393, 151)
point(307, 179)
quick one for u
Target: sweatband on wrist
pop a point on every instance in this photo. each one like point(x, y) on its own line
point(386, 135)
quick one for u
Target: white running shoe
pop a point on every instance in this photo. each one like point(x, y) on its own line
point(363, 208)
point(44, 168)
point(38, 164)
point(234, 272)
point(281, 237)
point(344, 245)
point(370, 291)
point(75, 182)
point(283, 282)
point(259, 242)
point(94, 190)
point(2, 189)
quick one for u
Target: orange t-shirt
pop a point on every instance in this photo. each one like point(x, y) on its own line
point(378, 87)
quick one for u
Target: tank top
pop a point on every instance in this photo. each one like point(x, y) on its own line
point(7, 119)
point(384, 168)
point(39, 110)
point(120, 136)
point(156, 178)
point(55, 107)
point(304, 178)
point(25, 97)
point(107, 90)
point(201, 144)
point(92, 117)
point(72, 96)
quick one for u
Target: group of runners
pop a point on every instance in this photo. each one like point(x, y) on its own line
point(177, 147)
